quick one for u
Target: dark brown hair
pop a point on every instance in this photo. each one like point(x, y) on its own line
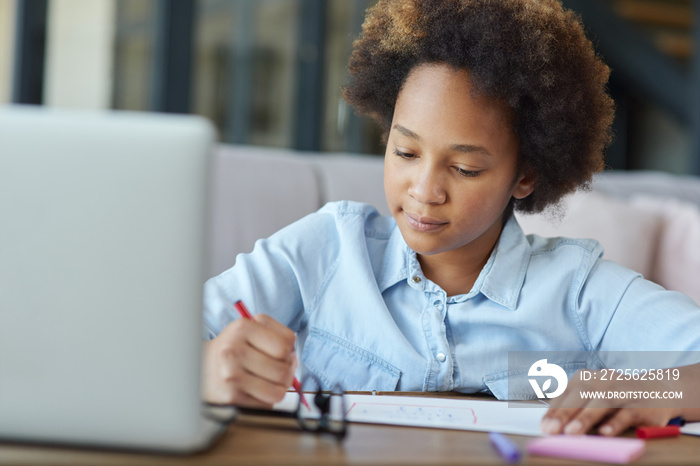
point(532, 54)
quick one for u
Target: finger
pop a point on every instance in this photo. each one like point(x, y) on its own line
point(236, 385)
point(262, 390)
point(618, 423)
point(588, 417)
point(271, 342)
point(231, 396)
point(631, 417)
point(263, 338)
point(261, 365)
point(555, 419)
point(221, 381)
point(561, 411)
point(244, 400)
point(272, 324)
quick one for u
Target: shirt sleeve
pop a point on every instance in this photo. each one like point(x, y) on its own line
point(280, 275)
point(623, 312)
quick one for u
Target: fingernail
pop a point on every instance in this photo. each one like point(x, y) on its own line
point(606, 430)
point(551, 426)
point(574, 427)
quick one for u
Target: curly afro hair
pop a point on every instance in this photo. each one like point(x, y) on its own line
point(532, 54)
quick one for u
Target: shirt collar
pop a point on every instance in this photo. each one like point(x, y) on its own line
point(395, 265)
point(504, 273)
point(500, 280)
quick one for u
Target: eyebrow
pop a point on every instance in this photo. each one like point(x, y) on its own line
point(464, 148)
point(407, 132)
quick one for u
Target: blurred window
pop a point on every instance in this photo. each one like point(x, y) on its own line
point(245, 68)
point(342, 129)
point(133, 54)
point(78, 66)
point(7, 31)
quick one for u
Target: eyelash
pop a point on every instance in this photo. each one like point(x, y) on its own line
point(464, 173)
point(404, 155)
point(468, 173)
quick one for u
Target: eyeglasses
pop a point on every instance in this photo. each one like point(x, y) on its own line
point(324, 414)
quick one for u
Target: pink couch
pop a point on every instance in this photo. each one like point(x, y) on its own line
point(647, 221)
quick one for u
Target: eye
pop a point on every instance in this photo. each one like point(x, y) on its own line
point(468, 173)
point(405, 155)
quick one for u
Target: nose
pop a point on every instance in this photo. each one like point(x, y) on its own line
point(427, 186)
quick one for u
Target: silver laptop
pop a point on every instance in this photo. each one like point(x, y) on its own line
point(102, 247)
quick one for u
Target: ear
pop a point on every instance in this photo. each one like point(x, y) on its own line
point(524, 186)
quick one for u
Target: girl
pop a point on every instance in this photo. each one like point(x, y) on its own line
point(487, 106)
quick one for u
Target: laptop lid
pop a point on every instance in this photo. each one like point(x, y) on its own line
point(102, 247)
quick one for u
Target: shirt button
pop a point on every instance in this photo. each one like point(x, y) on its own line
point(441, 357)
point(437, 303)
point(416, 279)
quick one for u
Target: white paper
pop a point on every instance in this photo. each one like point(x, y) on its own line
point(444, 413)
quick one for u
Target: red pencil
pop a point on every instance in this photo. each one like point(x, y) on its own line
point(243, 311)
point(657, 432)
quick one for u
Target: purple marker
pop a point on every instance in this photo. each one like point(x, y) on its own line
point(507, 449)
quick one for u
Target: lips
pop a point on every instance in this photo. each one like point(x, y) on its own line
point(421, 223)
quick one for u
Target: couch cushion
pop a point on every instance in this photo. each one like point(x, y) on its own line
point(352, 177)
point(626, 184)
point(255, 192)
point(678, 255)
point(628, 233)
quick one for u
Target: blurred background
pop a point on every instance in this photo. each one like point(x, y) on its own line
point(269, 72)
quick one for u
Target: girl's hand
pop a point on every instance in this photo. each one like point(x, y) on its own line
point(570, 413)
point(250, 363)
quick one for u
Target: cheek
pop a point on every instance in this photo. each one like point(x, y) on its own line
point(387, 185)
point(392, 182)
point(479, 204)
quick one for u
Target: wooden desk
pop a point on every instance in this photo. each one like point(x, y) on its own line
point(256, 440)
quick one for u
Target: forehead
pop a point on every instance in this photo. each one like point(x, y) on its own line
point(440, 105)
point(442, 100)
point(437, 82)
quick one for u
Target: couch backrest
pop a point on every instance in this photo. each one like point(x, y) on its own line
point(257, 191)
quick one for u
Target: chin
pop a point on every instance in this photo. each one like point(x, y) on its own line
point(420, 247)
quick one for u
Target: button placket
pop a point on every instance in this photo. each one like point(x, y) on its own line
point(439, 374)
point(417, 282)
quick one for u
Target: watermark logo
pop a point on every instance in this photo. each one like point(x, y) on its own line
point(542, 368)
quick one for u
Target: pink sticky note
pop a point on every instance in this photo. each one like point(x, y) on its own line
point(588, 447)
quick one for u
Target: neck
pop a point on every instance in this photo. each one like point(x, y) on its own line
point(454, 277)
point(456, 271)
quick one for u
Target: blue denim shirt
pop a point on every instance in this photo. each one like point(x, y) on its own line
point(366, 317)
